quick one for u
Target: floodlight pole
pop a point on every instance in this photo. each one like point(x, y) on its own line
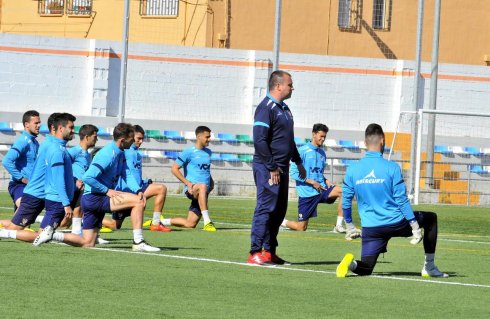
point(277, 36)
point(431, 127)
point(124, 63)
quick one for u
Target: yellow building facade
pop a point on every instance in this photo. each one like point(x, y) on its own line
point(358, 28)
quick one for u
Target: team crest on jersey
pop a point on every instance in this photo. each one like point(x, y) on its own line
point(24, 222)
point(370, 179)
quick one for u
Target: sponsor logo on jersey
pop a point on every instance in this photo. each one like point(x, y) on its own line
point(370, 179)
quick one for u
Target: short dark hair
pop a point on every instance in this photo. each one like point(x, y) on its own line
point(50, 121)
point(122, 130)
point(139, 129)
point(27, 116)
point(201, 129)
point(62, 119)
point(374, 129)
point(87, 130)
point(319, 127)
point(276, 77)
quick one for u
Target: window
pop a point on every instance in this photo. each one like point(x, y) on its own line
point(51, 7)
point(79, 7)
point(381, 14)
point(348, 17)
point(159, 8)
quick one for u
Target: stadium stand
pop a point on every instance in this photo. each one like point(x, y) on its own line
point(299, 141)
point(442, 149)
point(350, 145)
point(44, 129)
point(478, 169)
point(156, 134)
point(18, 127)
point(244, 138)
point(171, 154)
point(227, 137)
point(233, 158)
point(473, 150)
point(103, 132)
point(173, 135)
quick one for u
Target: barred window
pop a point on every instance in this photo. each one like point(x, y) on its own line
point(79, 7)
point(159, 8)
point(381, 14)
point(348, 17)
point(51, 7)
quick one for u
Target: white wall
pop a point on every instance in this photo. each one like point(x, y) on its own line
point(221, 86)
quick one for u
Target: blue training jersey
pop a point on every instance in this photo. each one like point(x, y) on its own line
point(313, 159)
point(19, 160)
point(36, 184)
point(273, 135)
point(380, 191)
point(81, 161)
point(59, 173)
point(105, 170)
point(197, 165)
point(134, 170)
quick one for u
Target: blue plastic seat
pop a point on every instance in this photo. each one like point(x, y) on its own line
point(173, 135)
point(299, 141)
point(5, 127)
point(44, 129)
point(473, 150)
point(171, 154)
point(102, 132)
point(478, 169)
point(350, 145)
point(226, 137)
point(215, 157)
point(348, 162)
point(230, 157)
point(442, 149)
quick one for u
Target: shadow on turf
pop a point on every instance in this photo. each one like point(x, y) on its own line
point(411, 274)
point(317, 263)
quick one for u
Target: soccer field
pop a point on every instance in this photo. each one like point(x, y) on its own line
point(204, 275)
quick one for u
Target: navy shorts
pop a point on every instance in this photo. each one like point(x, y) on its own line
point(55, 212)
point(94, 207)
point(194, 206)
point(16, 190)
point(30, 208)
point(375, 239)
point(307, 205)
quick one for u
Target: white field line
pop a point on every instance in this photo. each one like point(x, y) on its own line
point(440, 282)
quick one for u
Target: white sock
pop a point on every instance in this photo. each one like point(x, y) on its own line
point(39, 219)
point(429, 259)
point(284, 223)
point(205, 216)
point(340, 219)
point(166, 222)
point(156, 218)
point(76, 225)
point(8, 233)
point(59, 236)
point(353, 265)
point(138, 235)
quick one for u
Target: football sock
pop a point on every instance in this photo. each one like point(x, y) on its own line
point(205, 216)
point(429, 259)
point(166, 222)
point(76, 225)
point(59, 236)
point(8, 233)
point(284, 223)
point(138, 235)
point(156, 218)
point(39, 219)
point(340, 219)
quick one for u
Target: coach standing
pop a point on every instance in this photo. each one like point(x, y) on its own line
point(273, 134)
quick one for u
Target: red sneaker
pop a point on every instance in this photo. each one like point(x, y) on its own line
point(257, 259)
point(160, 228)
point(273, 258)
